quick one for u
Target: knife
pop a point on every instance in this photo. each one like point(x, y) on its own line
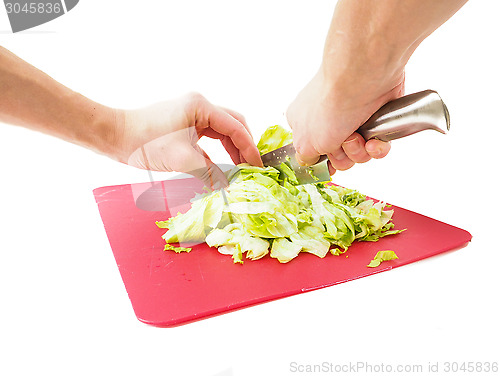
point(399, 118)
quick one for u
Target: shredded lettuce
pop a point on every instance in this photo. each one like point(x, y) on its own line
point(170, 247)
point(273, 138)
point(268, 214)
point(284, 250)
point(382, 256)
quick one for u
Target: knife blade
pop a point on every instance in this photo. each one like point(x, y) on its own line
point(305, 174)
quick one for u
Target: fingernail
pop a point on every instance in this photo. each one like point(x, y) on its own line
point(299, 160)
point(375, 151)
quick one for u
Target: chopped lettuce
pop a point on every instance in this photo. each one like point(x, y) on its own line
point(170, 247)
point(267, 213)
point(234, 240)
point(284, 250)
point(289, 174)
point(311, 239)
point(273, 138)
point(382, 256)
point(204, 215)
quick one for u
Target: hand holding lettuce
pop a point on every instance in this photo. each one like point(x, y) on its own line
point(271, 214)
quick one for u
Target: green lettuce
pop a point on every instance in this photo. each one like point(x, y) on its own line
point(284, 250)
point(204, 215)
point(382, 256)
point(170, 247)
point(273, 138)
point(268, 214)
point(236, 241)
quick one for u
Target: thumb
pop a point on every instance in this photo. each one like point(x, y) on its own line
point(305, 160)
point(207, 171)
point(306, 156)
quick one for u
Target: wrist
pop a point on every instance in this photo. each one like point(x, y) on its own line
point(363, 70)
point(364, 55)
point(109, 139)
point(95, 126)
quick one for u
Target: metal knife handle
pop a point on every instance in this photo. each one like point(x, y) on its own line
point(407, 115)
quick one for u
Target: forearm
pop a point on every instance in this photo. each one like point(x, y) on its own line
point(32, 99)
point(370, 41)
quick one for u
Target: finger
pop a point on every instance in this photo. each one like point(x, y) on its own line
point(306, 160)
point(209, 173)
point(228, 144)
point(225, 124)
point(238, 117)
point(354, 148)
point(339, 160)
point(305, 154)
point(377, 149)
point(231, 149)
point(200, 150)
point(331, 169)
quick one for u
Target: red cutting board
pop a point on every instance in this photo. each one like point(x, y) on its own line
point(168, 289)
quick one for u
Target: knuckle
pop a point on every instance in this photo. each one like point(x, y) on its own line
point(241, 119)
point(193, 99)
point(238, 116)
point(194, 96)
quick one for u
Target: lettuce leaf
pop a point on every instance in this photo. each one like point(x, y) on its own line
point(284, 250)
point(233, 240)
point(204, 215)
point(273, 138)
point(382, 256)
point(170, 247)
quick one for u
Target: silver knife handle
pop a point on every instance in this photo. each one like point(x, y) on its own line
point(407, 115)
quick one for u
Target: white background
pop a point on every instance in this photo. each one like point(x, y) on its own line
point(64, 309)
